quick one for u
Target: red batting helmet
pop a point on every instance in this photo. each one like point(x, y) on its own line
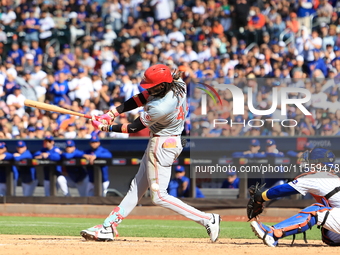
point(155, 75)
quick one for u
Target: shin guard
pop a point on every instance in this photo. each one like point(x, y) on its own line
point(300, 222)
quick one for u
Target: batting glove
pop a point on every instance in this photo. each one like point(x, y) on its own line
point(108, 117)
point(98, 125)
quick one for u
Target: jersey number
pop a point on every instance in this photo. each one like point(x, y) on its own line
point(181, 114)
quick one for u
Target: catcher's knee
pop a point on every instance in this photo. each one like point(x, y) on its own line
point(330, 238)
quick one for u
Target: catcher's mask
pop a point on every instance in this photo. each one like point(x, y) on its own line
point(318, 155)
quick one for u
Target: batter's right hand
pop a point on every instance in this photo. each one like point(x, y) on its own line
point(106, 118)
point(98, 125)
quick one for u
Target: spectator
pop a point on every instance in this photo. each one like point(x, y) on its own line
point(17, 100)
point(231, 182)
point(97, 151)
point(76, 175)
point(27, 174)
point(51, 152)
point(4, 155)
point(180, 185)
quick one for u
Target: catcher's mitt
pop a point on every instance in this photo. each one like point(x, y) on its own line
point(255, 204)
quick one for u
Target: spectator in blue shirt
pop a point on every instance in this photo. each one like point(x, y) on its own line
point(37, 52)
point(32, 26)
point(318, 63)
point(27, 174)
point(16, 54)
point(4, 155)
point(53, 153)
point(97, 152)
point(60, 89)
point(76, 175)
point(180, 185)
point(232, 181)
point(253, 152)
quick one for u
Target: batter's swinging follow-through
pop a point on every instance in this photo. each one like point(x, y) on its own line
point(165, 110)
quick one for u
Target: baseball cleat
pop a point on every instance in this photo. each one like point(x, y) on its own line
point(265, 233)
point(213, 227)
point(98, 233)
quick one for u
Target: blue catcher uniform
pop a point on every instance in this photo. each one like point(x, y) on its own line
point(6, 156)
point(76, 175)
point(49, 151)
point(323, 185)
point(27, 174)
point(99, 152)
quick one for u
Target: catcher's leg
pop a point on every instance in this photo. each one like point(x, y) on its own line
point(296, 224)
point(329, 237)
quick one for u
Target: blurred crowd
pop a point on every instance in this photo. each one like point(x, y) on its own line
point(89, 56)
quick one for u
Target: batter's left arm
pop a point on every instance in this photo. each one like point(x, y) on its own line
point(133, 127)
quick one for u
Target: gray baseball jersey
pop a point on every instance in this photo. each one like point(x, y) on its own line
point(165, 116)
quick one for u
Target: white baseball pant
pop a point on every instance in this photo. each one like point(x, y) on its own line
point(155, 167)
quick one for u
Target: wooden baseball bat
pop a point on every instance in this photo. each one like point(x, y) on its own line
point(53, 108)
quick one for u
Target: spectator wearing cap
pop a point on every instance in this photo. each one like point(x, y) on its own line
point(327, 130)
point(4, 155)
point(271, 150)
point(17, 100)
point(27, 174)
point(82, 133)
point(40, 132)
point(31, 132)
point(50, 152)
point(71, 131)
point(179, 186)
point(77, 176)
point(335, 127)
point(293, 24)
point(318, 63)
point(231, 182)
point(32, 27)
point(301, 65)
point(252, 152)
point(97, 152)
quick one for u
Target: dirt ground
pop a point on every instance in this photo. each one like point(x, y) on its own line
point(51, 245)
point(56, 245)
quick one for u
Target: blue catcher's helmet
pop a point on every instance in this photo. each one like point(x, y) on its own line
point(319, 155)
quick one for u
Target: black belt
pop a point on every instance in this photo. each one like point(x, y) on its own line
point(334, 191)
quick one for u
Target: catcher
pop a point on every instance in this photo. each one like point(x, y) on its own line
point(321, 182)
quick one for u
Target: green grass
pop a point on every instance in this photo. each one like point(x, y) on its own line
point(129, 228)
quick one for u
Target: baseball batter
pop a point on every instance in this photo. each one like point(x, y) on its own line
point(322, 184)
point(165, 109)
